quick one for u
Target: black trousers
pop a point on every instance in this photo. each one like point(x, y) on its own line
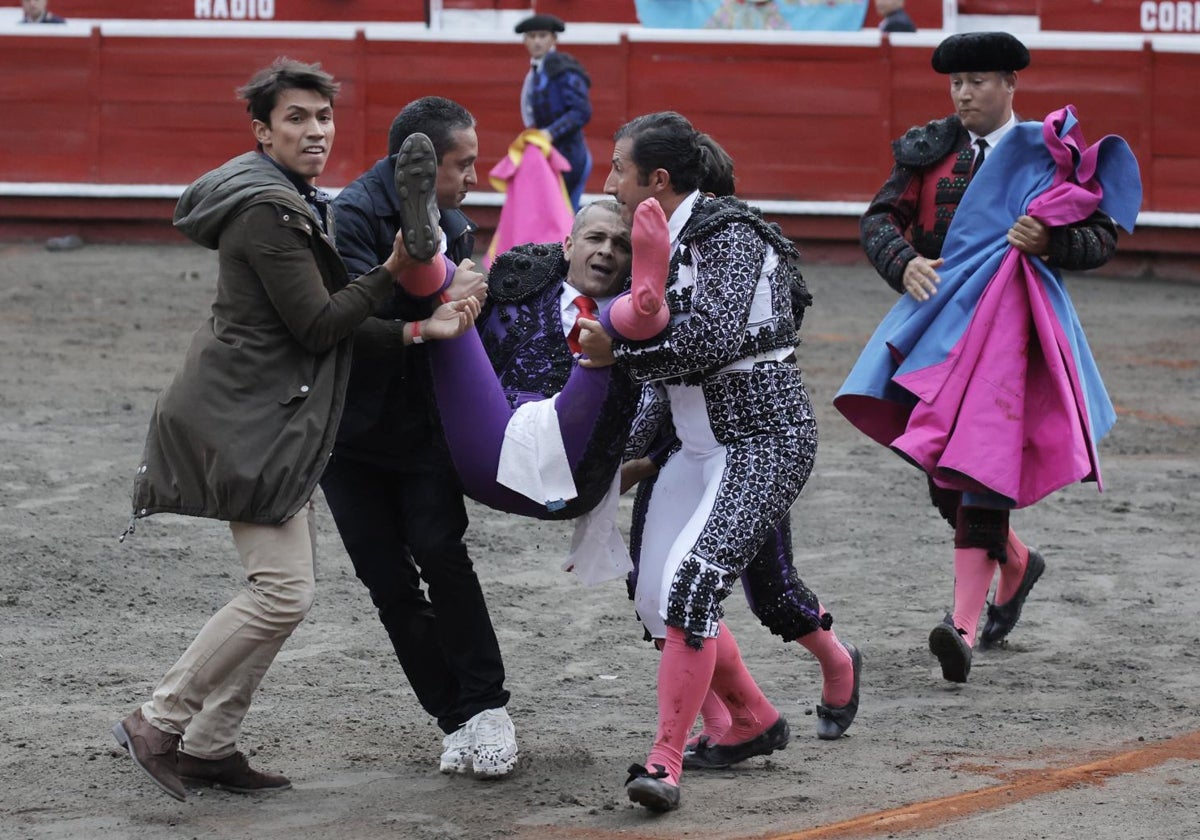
point(402, 528)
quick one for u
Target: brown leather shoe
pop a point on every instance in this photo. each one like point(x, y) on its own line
point(152, 750)
point(232, 773)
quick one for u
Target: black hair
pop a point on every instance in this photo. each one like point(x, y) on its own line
point(262, 91)
point(436, 117)
point(719, 179)
point(667, 140)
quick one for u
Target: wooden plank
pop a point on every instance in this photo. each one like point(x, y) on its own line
point(590, 11)
point(802, 122)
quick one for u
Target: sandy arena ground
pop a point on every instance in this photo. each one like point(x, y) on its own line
point(1085, 726)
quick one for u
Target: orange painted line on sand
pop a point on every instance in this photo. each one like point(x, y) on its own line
point(1158, 361)
point(1150, 416)
point(1026, 784)
point(931, 813)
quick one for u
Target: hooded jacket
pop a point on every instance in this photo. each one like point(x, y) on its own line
point(244, 430)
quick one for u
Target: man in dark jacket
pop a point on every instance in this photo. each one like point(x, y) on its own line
point(35, 11)
point(243, 431)
point(893, 18)
point(555, 98)
point(391, 485)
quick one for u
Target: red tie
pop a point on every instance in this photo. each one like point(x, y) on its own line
point(587, 309)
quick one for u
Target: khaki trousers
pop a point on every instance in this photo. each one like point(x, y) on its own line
point(205, 695)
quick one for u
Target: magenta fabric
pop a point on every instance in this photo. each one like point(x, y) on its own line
point(990, 387)
point(1004, 413)
point(536, 207)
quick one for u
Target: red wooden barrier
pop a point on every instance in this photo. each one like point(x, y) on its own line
point(593, 11)
point(1143, 16)
point(799, 120)
point(805, 122)
point(998, 7)
point(265, 10)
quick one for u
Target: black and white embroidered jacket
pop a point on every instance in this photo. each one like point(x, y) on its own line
point(735, 295)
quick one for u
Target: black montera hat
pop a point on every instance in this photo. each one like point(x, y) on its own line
point(980, 51)
point(540, 23)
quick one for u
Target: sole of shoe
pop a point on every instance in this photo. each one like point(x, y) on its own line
point(949, 653)
point(416, 177)
point(123, 739)
point(191, 781)
point(653, 794)
point(455, 768)
point(494, 771)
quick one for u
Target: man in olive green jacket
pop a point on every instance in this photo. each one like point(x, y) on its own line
point(244, 430)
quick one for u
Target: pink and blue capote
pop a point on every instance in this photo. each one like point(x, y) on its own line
point(990, 386)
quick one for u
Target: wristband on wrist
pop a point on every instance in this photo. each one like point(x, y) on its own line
point(416, 333)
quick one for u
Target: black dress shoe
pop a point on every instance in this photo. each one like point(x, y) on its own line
point(709, 756)
point(833, 721)
point(951, 649)
point(652, 789)
point(1002, 618)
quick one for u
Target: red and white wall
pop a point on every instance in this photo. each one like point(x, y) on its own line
point(106, 120)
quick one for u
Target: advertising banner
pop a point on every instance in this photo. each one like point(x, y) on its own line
point(753, 14)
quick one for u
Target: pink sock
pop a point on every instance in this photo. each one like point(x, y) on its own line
point(684, 674)
point(751, 712)
point(425, 279)
point(973, 573)
point(837, 669)
point(1013, 569)
point(643, 312)
point(715, 719)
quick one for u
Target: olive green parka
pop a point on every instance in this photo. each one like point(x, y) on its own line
point(244, 430)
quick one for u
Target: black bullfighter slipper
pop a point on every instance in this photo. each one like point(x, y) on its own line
point(946, 642)
point(652, 789)
point(1002, 618)
point(708, 756)
point(833, 721)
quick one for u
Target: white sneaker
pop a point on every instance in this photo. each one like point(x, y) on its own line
point(494, 740)
point(456, 751)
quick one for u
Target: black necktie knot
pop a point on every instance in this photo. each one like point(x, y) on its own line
point(983, 147)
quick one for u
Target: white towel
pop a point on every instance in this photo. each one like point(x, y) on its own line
point(598, 552)
point(533, 461)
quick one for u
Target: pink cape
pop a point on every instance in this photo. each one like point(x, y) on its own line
point(537, 207)
point(990, 387)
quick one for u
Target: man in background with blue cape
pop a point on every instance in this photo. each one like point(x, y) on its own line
point(981, 374)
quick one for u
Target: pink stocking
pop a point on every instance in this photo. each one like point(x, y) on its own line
point(973, 572)
point(715, 719)
point(684, 674)
point(750, 710)
point(837, 669)
point(424, 280)
point(1013, 569)
point(643, 313)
